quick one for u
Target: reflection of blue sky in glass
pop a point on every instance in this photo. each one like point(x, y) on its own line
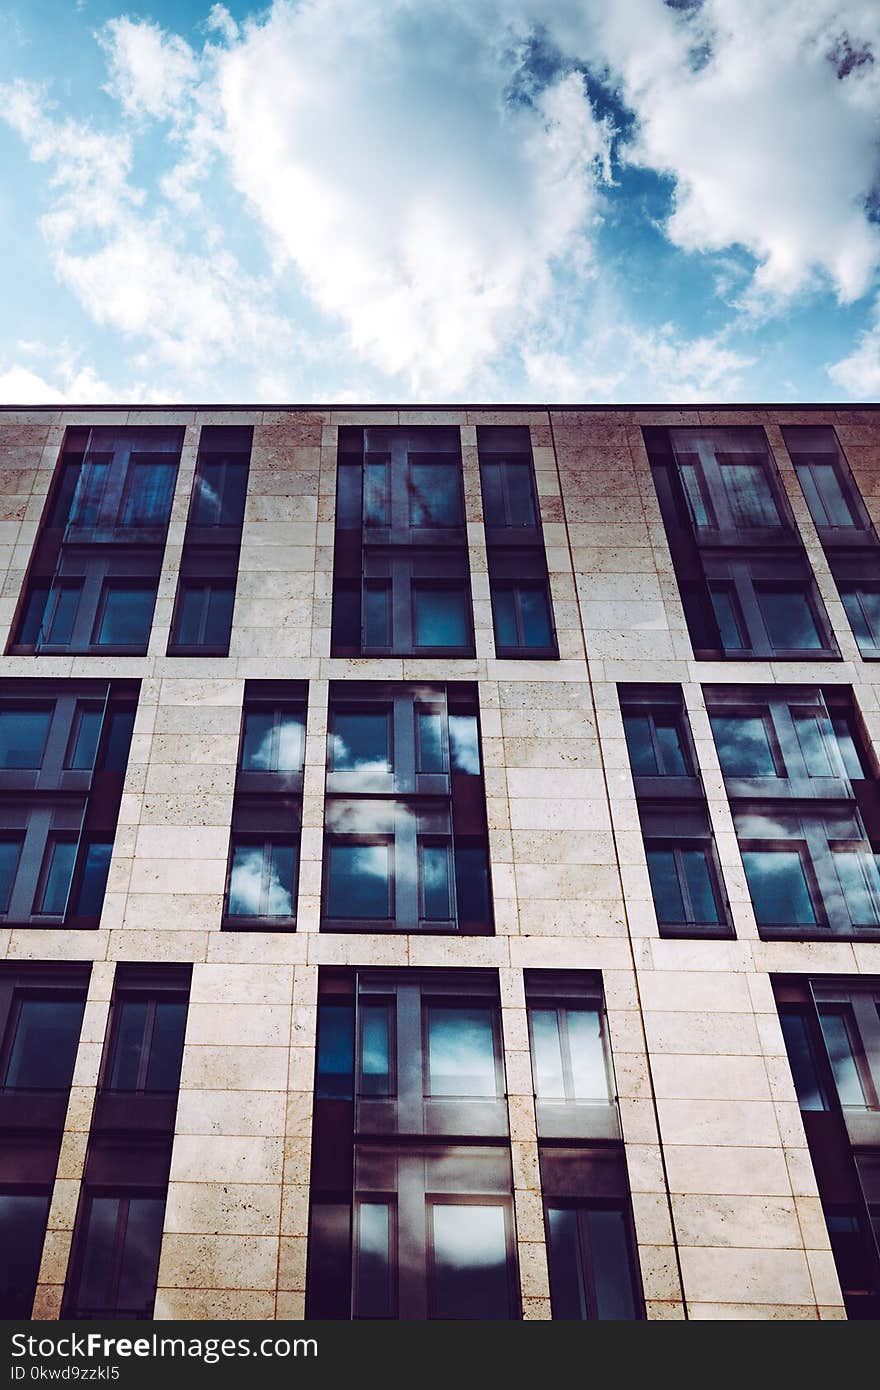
point(461, 1052)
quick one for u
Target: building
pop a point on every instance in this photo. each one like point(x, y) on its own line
point(438, 862)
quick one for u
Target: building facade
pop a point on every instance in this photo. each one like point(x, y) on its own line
point(438, 863)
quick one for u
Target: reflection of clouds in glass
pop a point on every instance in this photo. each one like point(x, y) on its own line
point(364, 817)
point(208, 496)
point(280, 746)
point(290, 745)
point(464, 743)
point(343, 759)
point(461, 1052)
point(248, 897)
point(469, 1237)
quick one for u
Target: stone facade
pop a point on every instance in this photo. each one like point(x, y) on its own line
point(725, 1203)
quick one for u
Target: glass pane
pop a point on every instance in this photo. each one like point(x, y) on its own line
point(825, 496)
point(836, 1032)
point(778, 887)
point(140, 1256)
point(494, 513)
point(375, 1050)
point(461, 1053)
point(464, 743)
point(349, 506)
point(434, 494)
point(61, 509)
point(810, 1092)
point(149, 493)
point(789, 620)
point(749, 495)
point(668, 735)
point(261, 881)
point(335, 1051)
point(612, 1272)
point(94, 1294)
point(62, 855)
point(10, 849)
point(377, 613)
point(218, 620)
point(23, 735)
point(127, 616)
point(665, 888)
point(290, 740)
point(361, 741)
point(812, 732)
point(189, 615)
point(470, 1262)
point(743, 745)
point(376, 508)
point(441, 618)
point(46, 1039)
point(588, 1069)
point(329, 1281)
point(359, 881)
point(547, 1055)
point(870, 603)
point(60, 614)
point(90, 492)
point(85, 743)
point(374, 1260)
point(166, 1047)
point(698, 877)
point(94, 879)
point(642, 758)
point(860, 881)
point(857, 620)
point(234, 492)
point(30, 631)
point(694, 494)
point(131, 1021)
point(847, 746)
point(535, 611)
point(436, 901)
point(520, 499)
point(22, 1230)
point(472, 884)
point(274, 740)
point(567, 1296)
point(118, 740)
point(504, 610)
point(728, 622)
point(430, 736)
point(219, 492)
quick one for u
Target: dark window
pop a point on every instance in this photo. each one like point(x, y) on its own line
point(826, 482)
point(862, 605)
point(23, 733)
point(656, 744)
point(469, 1266)
point(118, 1258)
point(508, 491)
point(683, 885)
point(56, 877)
point(23, 1217)
point(522, 618)
point(83, 748)
point(148, 493)
point(826, 498)
point(125, 616)
point(802, 1059)
point(743, 744)
point(778, 886)
point(204, 617)
point(359, 879)
point(441, 616)
point(147, 1044)
point(789, 618)
point(335, 1065)
point(590, 1260)
point(219, 491)
point(10, 853)
point(93, 883)
point(360, 740)
point(41, 1050)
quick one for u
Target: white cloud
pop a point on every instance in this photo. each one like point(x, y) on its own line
point(859, 373)
point(151, 72)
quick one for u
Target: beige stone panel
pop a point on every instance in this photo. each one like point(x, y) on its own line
point(230, 1112)
point(695, 1077)
point(741, 1221)
point(723, 1275)
point(727, 1170)
point(218, 1261)
point(718, 1123)
point(214, 1304)
point(707, 1033)
point(263, 1025)
point(752, 1312)
point(233, 1208)
point(239, 1067)
point(226, 1158)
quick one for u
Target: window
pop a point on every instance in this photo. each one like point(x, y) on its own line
point(568, 1054)
point(23, 1217)
point(220, 490)
point(91, 586)
point(147, 1044)
point(683, 885)
point(203, 620)
point(411, 1192)
point(404, 820)
point(831, 1028)
point(125, 616)
point(40, 1050)
point(744, 746)
point(590, 1262)
point(826, 482)
point(862, 605)
point(63, 746)
point(267, 808)
point(401, 582)
point(745, 582)
point(508, 489)
point(118, 1256)
point(778, 886)
point(522, 618)
point(656, 743)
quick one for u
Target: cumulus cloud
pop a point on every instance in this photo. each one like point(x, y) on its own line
point(423, 189)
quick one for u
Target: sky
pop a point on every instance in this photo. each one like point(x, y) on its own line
point(439, 201)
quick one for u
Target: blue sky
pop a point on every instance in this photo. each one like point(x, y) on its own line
point(440, 200)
